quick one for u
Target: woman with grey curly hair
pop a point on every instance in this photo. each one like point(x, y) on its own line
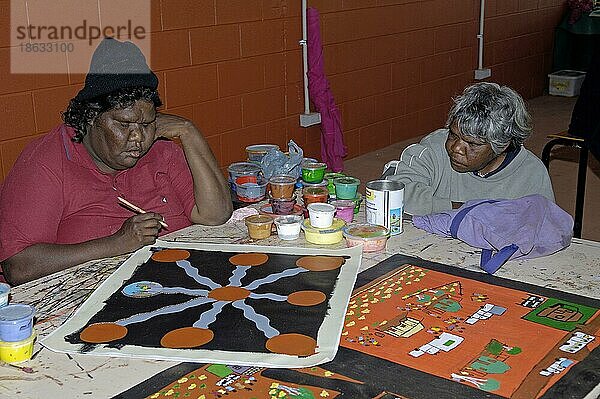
point(479, 155)
point(491, 113)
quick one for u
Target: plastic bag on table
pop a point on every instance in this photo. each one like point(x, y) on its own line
point(276, 162)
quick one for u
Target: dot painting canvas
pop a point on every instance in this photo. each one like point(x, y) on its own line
point(238, 304)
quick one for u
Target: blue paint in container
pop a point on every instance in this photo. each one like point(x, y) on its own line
point(16, 322)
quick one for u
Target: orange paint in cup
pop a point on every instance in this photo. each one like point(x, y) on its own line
point(314, 194)
point(259, 226)
point(282, 186)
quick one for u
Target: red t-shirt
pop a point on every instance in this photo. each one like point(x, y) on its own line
point(55, 193)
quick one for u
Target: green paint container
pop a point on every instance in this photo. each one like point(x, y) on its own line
point(313, 172)
point(346, 187)
point(330, 176)
point(357, 200)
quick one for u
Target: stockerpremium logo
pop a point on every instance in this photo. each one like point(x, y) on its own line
point(60, 37)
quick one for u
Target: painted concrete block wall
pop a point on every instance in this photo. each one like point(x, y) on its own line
point(234, 67)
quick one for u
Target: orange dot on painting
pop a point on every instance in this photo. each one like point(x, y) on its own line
point(229, 293)
point(320, 263)
point(251, 259)
point(99, 333)
point(187, 337)
point(306, 298)
point(292, 344)
point(170, 255)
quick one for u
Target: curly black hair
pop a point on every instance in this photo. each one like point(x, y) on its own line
point(81, 114)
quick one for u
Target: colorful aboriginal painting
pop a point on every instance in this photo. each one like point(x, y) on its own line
point(199, 302)
point(418, 329)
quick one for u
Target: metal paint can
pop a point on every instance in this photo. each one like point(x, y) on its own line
point(384, 203)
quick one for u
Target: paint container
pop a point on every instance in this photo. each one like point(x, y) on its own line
point(16, 322)
point(282, 186)
point(259, 226)
point(288, 227)
point(246, 179)
point(385, 203)
point(242, 169)
point(346, 187)
point(326, 236)
point(323, 184)
point(312, 195)
point(4, 291)
point(320, 214)
point(372, 237)
point(256, 152)
point(17, 352)
point(282, 206)
point(330, 176)
point(344, 209)
point(251, 191)
point(313, 172)
point(267, 209)
point(357, 201)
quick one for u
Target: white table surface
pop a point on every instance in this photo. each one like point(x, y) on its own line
point(575, 270)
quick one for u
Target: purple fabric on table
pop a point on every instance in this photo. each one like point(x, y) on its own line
point(526, 227)
point(332, 138)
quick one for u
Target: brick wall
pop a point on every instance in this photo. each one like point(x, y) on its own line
point(234, 67)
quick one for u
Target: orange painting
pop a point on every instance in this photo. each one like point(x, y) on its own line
point(463, 330)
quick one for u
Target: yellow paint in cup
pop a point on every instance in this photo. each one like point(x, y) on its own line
point(326, 236)
point(18, 351)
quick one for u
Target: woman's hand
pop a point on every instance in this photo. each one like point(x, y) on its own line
point(172, 126)
point(138, 231)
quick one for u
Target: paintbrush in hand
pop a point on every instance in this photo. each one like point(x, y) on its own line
point(137, 209)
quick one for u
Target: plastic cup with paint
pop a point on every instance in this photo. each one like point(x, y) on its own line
point(259, 226)
point(312, 195)
point(282, 186)
point(313, 172)
point(323, 183)
point(344, 209)
point(18, 351)
point(325, 236)
point(238, 169)
point(330, 176)
point(321, 214)
point(4, 292)
point(251, 191)
point(282, 206)
point(267, 209)
point(346, 187)
point(288, 227)
point(256, 152)
point(372, 237)
point(357, 201)
point(246, 179)
point(16, 322)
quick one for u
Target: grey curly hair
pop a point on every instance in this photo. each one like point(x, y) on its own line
point(492, 113)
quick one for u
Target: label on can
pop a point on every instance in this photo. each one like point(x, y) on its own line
point(384, 203)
